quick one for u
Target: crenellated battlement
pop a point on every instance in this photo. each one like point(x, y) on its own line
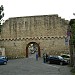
point(34, 38)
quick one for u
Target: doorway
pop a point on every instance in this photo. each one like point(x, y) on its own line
point(31, 49)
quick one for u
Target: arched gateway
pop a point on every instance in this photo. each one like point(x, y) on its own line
point(32, 48)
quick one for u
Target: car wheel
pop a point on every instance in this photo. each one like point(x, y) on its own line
point(61, 63)
point(5, 63)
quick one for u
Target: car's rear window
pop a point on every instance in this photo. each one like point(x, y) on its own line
point(65, 56)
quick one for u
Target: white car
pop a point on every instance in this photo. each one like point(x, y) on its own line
point(66, 57)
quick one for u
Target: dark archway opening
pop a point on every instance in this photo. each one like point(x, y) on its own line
point(32, 48)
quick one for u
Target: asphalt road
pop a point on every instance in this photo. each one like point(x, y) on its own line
point(29, 66)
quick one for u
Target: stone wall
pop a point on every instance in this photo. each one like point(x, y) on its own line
point(2, 51)
point(53, 46)
point(47, 30)
point(34, 26)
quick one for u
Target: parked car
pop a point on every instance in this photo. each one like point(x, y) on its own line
point(3, 61)
point(66, 57)
point(4, 57)
point(57, 60)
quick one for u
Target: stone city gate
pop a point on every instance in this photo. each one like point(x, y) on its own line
point(48, 32)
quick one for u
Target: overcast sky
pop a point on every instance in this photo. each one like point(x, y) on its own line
point(17, 8)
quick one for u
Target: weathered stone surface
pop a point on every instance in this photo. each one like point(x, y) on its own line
point(47, 30)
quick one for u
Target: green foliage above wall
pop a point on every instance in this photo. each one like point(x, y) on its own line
point(72, 25)
point(1, 15)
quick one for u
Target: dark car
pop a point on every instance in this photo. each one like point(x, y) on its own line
point(3, 61)
point(4, 57)
point(57, 60)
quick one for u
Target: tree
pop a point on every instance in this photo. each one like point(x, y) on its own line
point(72, 41)
point(1, 15)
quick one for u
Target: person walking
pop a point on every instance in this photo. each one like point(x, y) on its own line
point(44, 58)
point(37, 56)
